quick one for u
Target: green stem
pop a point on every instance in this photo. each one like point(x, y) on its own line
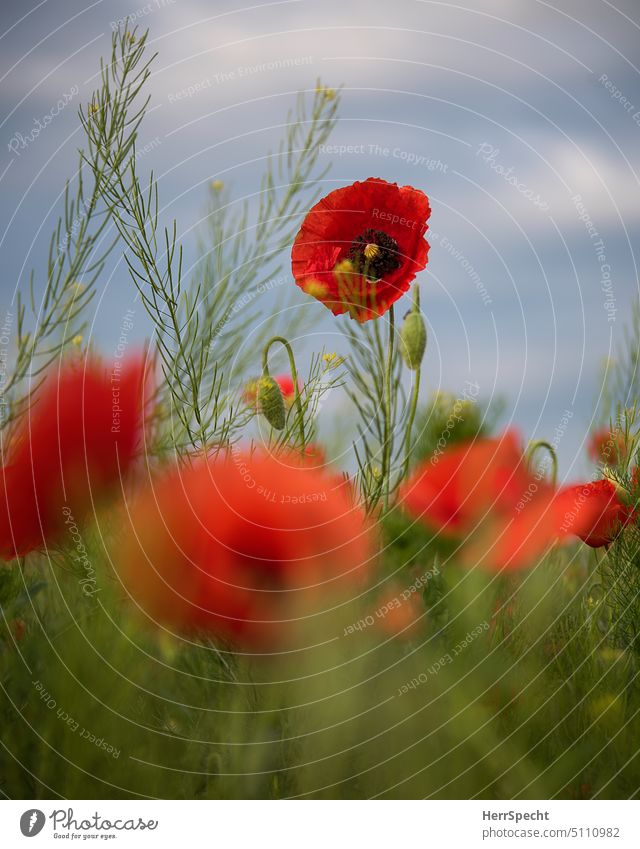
point(541, 443)
point(294, 376)
point(412, 416)
point(386, 448)
point(414, 395)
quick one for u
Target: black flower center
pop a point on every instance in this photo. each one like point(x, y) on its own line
point(375, 254)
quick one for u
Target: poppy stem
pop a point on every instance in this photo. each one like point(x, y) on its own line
point(414, 397)
point(386, 448)
point(540, 443)
point(410, 421)
point(294, 376)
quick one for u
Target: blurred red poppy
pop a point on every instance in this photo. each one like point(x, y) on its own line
point(607, 515)
point(454, 488)
point(483, 494)
point(285, 382)
point(76, 441)
point(360, 247)
point(607, 447)
point(241, 546)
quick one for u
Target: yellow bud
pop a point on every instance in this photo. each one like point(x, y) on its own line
point(371, 251)
point(327, 93)
point(217, 185)
point(77, 340)
point(333, 360)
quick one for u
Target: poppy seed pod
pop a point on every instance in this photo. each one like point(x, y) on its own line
point(413, 340)
point(271, 402)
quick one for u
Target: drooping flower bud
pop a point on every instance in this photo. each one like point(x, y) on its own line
point(413, 336)
point(271, 402)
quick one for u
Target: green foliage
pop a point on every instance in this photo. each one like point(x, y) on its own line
point(196, 324)
point(49, 323)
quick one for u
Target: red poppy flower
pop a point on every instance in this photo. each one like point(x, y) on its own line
point(607, 515)
point(239, 547)
point(75, 441)
point(607, 447)
point(483, 494)
point(360, 247)
point(454, 488)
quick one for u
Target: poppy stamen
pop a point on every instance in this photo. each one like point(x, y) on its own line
point(375, 251)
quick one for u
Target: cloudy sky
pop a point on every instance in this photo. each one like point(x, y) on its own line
point(519, 118)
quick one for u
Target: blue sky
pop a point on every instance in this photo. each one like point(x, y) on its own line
point(519, 118)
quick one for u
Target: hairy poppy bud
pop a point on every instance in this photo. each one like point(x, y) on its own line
point(271, 402)
point(413, 340)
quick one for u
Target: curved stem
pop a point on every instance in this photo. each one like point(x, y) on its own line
point(294, 376)
point(541, 443)
point(386, 448)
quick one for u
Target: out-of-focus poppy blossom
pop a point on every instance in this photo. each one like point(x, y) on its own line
point(360, 247)
point(75, 441)
point(241, 546)
point(400, 612)
point(606, 514)
point(285, 382)
point(607, 447)
point(454, 488)
point(484, 494)
point(314, 455)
